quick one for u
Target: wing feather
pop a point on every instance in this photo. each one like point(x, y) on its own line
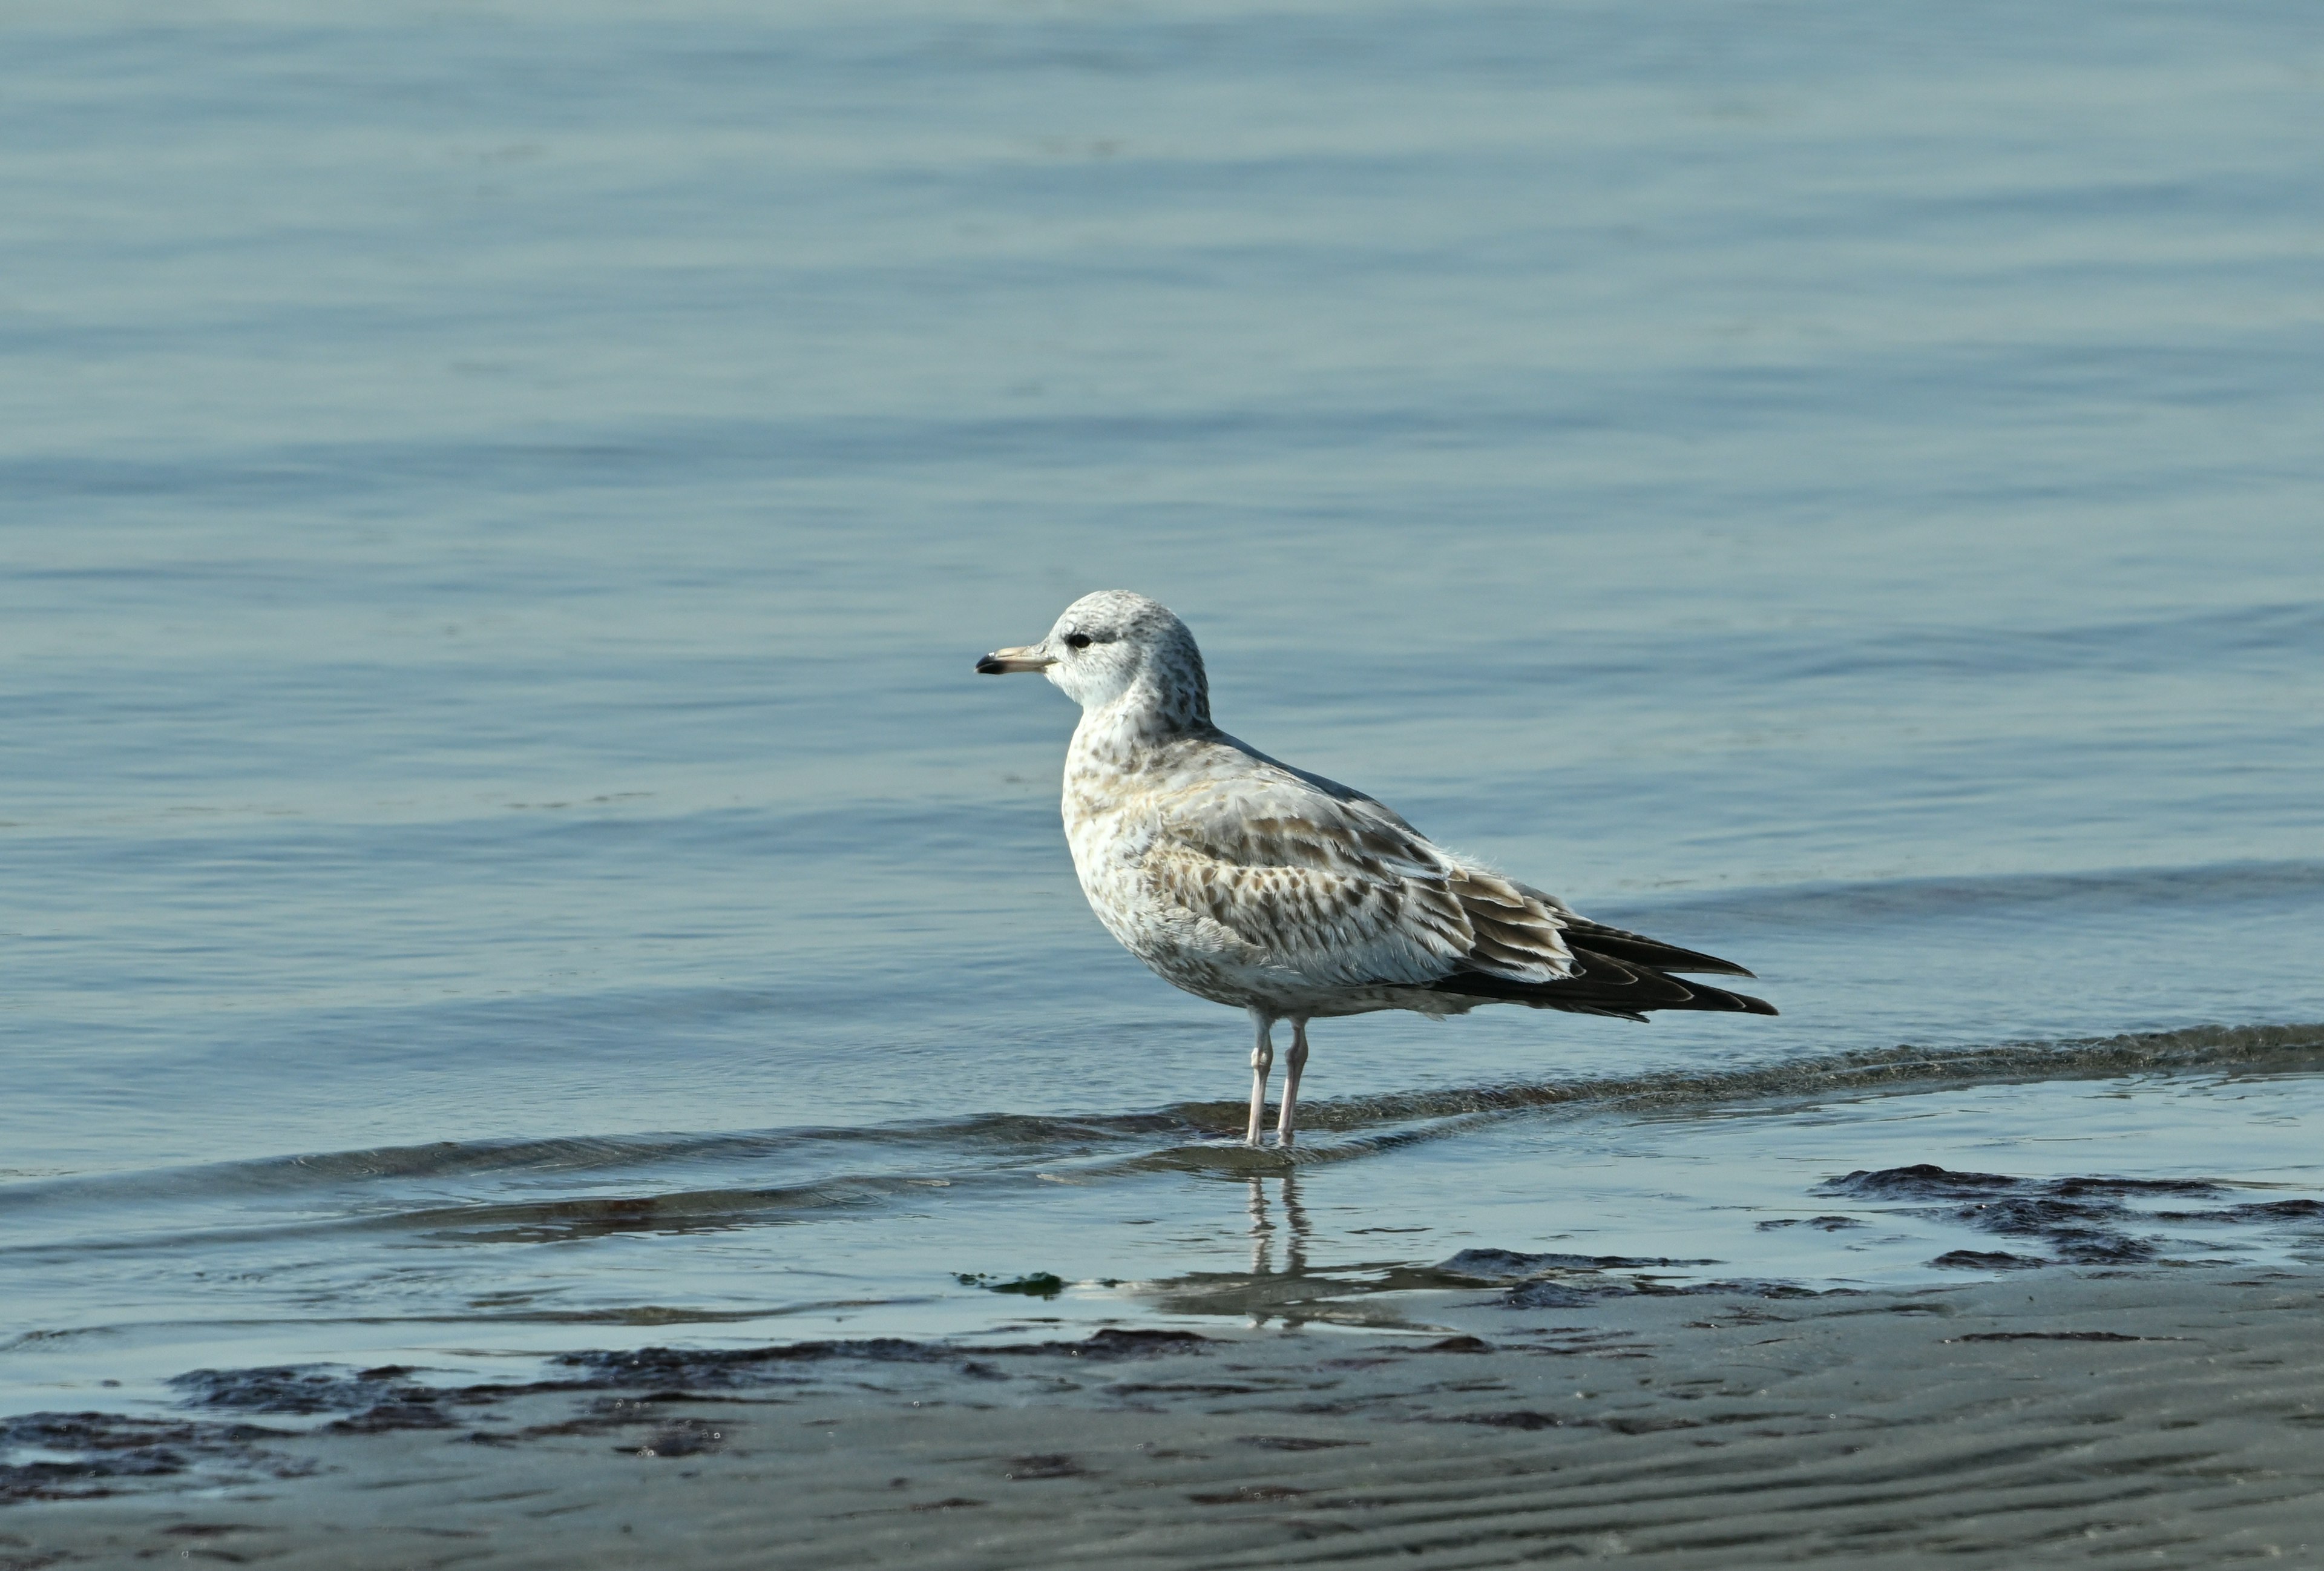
point(1306, 877)
point(1333, 886)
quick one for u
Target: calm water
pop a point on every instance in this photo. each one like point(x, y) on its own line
point(504, 851)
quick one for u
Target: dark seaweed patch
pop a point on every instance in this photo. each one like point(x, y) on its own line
point(2057, 1336)
point(2083, 1221)
point(1115, 1342)
point(1556, 1296)
point(375, 1400)
point(297, 1388)
point(1759, 1287)
point(1530, 1419)
point(1036, 1284)
point(723, 1368)
point(94, 1450)
point(2088, 1247)
point(390, 1417)
point(683, 1435)
point(720, 1367)
point(1555, 1281)
point(1052, 1464)
point(1501, 1265)
point(1985, 1260)
point(1821, 1224)
point(2199, 1187)
point(1518, 1419)
point(1295, 1442)
point(2260, 1213)
point(2036, 1215)
point(1645, 1425)
point(1572, 1295)
point(1921, 1181)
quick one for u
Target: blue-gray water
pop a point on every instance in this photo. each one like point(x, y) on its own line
point(503, 847)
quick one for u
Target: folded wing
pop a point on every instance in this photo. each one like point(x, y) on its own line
point(1330, 885)
point(1326, 882)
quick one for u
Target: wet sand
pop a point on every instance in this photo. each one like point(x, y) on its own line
point(2169, 1416)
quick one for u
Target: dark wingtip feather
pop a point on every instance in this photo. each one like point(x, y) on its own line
point(1640, 950)
point(1622, 987)
point(1742, 1003)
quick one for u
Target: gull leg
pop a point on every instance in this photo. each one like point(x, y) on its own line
point(1262, 1059)
point(1292, 1065)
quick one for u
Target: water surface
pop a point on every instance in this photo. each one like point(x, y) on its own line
point(504, 849)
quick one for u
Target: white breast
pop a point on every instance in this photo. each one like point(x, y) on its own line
point(1110, 788)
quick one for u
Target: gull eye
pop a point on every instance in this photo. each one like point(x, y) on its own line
point(1077, 641)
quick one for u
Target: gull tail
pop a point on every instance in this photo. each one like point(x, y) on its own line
point(1615, 976)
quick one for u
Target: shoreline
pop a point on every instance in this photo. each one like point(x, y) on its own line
point(2055, 1418)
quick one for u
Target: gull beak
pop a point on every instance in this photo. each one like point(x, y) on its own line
point(1001, 662)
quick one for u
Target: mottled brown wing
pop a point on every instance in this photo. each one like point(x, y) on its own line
point(1336, 888)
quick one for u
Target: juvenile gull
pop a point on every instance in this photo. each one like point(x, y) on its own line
point(1249, 882)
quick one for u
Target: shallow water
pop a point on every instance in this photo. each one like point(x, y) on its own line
point(505, 850)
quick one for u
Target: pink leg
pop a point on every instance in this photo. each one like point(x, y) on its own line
point(1292, 1065)
point(1262, 1059)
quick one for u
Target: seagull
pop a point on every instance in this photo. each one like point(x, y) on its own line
point(1244, 881)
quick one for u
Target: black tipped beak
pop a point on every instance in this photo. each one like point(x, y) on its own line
point(1002, 662)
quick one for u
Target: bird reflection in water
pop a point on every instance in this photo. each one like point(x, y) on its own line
point(1263, 1229)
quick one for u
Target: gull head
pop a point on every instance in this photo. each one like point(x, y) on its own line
point(1115, 649)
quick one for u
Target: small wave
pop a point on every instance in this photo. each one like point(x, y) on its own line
point(2014, 897)
point(2288, 1049)
point(1001, 1150)
point(2233, 637)
point(542, 1221)
point(994, 1134)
